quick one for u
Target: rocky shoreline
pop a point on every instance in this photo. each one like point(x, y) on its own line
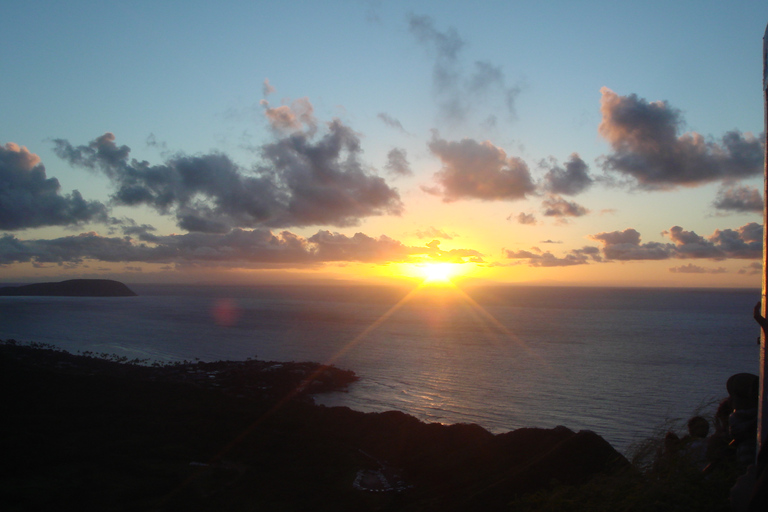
point(106, 434)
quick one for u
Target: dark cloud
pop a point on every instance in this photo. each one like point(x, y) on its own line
point(28, 199)
point(391, 121)
point(143, 232)
point(625, 245)
point(152, 142)
point(303, 180)
point(524, 218)
point(752, 269)
point(690, 268)
point(258, 248)
point(537, 258)
point(745, 242)
point(569, 181)
point(397, 162)
point(457, 90)
point(690, 245)
point(742, 243)
point(479, 170)
point(739, 199)
point(555, 206)
point(647, 147)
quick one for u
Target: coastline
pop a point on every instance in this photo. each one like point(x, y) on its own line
point(110, 435)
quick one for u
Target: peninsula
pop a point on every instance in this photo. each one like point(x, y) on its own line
point(71, 288)
point(104, 433)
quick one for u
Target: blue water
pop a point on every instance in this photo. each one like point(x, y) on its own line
point(616, 361)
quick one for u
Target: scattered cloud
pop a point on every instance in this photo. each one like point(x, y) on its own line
point(478, 170)
point(391, 122)
point(397, 162)
point(690, 268)
point(571, 180)
point(431, 233)
point(555, 206)
point(739, 199)
point(647, 146)
point(524, 218)
point(745, 242)
point(458, 90)
point(537, 258)
point(267, 88)
point(29, 199)
point(258, 248)
point(742, 243)
point(288, 119)
point(625, 245)
point(752, 269)
point(302, 179)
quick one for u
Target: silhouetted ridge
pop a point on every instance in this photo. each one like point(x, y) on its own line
point(72, 288)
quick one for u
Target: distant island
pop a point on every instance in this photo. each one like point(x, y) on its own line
point(71, 288)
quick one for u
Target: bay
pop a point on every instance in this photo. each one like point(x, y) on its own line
point(621, 362)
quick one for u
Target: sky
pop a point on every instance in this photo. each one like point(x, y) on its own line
point(553, 142)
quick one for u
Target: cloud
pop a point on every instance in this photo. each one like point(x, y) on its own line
point(302, 180)
point(452, 255)
point(458, 91)
point(739, 199)
point(391, 121)
point(524, 218)
point(690, 245)
point(28, 199)
point(646, 146)
point(742, 243)
point(745, 242)
point(569, 181)
point(690, 268)
point(547, 259)
point(625, 245)
point(258, 248)
point(267, 88)
point(432, 232)
point(555, 206)
point(752, 269)
point(479, 170)
point(397, 162)
point(285, 119)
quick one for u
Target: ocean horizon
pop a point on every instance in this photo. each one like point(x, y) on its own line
point(623, 362)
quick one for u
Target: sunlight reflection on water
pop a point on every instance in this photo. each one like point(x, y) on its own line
point(618, 362)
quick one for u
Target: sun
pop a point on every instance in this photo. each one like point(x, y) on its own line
point(437, 273)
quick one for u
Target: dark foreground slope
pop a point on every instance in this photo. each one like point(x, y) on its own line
point(100, 435)
point(71, 288)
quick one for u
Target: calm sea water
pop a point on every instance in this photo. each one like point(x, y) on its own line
point(616, 361)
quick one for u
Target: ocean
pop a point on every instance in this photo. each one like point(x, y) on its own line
point(624, 363)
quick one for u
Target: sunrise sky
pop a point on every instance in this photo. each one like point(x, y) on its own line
point(569, 142)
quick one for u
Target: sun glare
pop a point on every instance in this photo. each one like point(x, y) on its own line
point(437, 273)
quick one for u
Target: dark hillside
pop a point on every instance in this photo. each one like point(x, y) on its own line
point(71, 288)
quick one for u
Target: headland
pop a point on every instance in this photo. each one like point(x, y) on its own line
point(100, 432)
